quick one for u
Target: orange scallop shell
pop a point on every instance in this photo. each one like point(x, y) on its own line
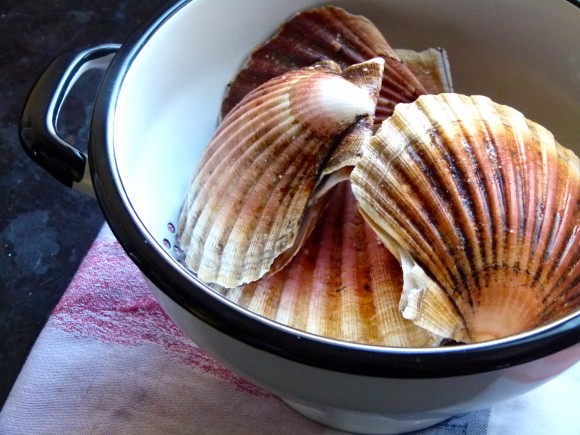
point(482, 207)
point(342, 284)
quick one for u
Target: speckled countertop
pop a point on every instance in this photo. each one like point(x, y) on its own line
point(45, 228)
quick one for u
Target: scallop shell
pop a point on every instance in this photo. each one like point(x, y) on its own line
point(482, 207)
point(343, 284)
point(431, 67)
point(326, 33)
point(249, 197)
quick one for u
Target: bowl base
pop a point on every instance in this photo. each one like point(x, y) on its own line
point(361, 422)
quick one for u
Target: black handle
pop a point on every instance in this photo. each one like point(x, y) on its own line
point(38, 134)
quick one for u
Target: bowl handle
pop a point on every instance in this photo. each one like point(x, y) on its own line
point(38, 133)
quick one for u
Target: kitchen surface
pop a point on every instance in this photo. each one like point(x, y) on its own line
point(45, 227)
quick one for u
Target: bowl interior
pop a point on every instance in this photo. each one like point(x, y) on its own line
point(519, 52)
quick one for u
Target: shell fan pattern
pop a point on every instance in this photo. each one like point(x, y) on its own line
point(348, 192)
point(251, 198)
point(481, 206)
point(330, 33)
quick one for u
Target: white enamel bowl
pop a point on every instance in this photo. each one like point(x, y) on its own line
point(158, 107)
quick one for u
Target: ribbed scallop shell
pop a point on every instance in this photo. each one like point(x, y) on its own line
point(342, 284)
point(326, 33)
point(430, 66)
point(482, 207)
point(248, 198)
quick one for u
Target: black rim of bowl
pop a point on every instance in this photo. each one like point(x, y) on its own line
point(200, 301)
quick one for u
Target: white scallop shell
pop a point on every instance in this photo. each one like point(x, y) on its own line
point(249, 197)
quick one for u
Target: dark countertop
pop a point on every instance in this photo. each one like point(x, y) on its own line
point(45, 228)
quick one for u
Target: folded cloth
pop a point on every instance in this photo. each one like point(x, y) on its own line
point(109, 361)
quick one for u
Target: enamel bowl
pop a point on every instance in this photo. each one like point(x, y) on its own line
point(156, 110)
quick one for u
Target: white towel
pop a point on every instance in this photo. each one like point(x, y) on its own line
point(110, 361)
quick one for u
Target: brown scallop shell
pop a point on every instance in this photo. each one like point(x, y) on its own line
point(342, 284)
point(248, 199)
point(326, 33)
point(431, 67)
point(482, 207)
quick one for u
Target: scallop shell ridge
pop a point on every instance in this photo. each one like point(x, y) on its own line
point(343, 284)
point(246, 203)
point(326, 33)
point(482, 207)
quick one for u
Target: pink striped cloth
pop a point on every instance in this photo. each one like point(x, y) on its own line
point(110, 361)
